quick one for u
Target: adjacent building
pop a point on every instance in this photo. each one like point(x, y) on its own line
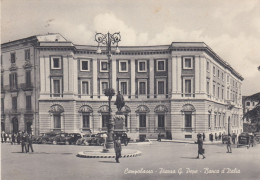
point(48, 83)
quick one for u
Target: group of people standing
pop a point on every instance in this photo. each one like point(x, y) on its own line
point(23, 138)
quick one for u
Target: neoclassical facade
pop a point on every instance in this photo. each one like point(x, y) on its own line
point(179, 89)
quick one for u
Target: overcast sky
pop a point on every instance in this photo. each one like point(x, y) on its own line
point(230, 27)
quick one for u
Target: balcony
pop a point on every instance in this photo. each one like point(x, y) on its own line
point(26, 86)
point(187, 129)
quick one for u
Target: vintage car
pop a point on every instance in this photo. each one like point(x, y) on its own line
point(257, 137)
point(66, 138)
point(224, 138)
point(96, 139)
point(246, 139)
point(123, 137)
point(47, 138)
point(84, 139)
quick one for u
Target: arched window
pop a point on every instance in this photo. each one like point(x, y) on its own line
point(141, 111)
point(104, 110)
point(57, 118)
point(160, 110)
point(85, 111)
point(188, 111)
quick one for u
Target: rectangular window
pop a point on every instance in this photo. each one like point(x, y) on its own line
point(104, 66)
point(85, 88)
point(188, 120)
point(161, 120)
point(222, 75)
point(187, 89)
point(27, 54)
point(56, 121)
point(187, 63)
point(142, 120)
point(222, 94)
point(14, 103)
point(218, 92)
point(161, 88)
point(56, 87)
point(28, 78)
point(123, 66)
point(28, 103)
point(84, 65)
point(104, 86)
point(161, 65)
point(228, 94)
point(207, 66)
point(141, 66)
point(2, 82)
point(248, 103)
point(142, 88)
point(105, 119)
point(56, 63)
point(219, 120)
point(13, 81)
point(214, 70)
point(126, 120)
point(2, 105)
point(228, 78)
point(207, 87)
point(85, 121)
point(215, 120)
point(13, 58)
point(123, 88)
point(209, 119)
point(218, 74)
point(214, 90)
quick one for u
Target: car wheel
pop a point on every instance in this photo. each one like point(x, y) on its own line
point(54, 142)
point(67, 142)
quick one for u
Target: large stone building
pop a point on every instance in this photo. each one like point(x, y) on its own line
point(181, 89)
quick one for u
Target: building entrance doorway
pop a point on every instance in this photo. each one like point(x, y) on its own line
point(29, 127)
point(15, 125)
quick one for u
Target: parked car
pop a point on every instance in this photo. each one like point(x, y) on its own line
point(62, 138)
point(96, 139)
point(84, 140)
point(257, 137)
point(246, 139)
point(47, 138)
point(123, 137)
point(74, 137)
point(224, 139)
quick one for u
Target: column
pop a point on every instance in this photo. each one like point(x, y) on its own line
point(132, 78)
point(151, 78)
point(74, 76)
point(95, 93)
point(197, 75)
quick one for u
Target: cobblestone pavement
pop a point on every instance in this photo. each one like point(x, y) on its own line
point(160, 160)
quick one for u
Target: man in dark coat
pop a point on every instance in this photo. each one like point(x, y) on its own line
point(118, 149)
point(119, 101)
point(18, 138)
point(203, 136)
point(13, 139)
point(30, 140)
point(229, 150)
point(200, 147)
point(23, 138)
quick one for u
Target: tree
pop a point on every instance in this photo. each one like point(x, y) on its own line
point(254, 114)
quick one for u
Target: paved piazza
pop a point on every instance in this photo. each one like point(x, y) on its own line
point(160, 160)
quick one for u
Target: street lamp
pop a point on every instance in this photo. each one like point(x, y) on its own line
point(107, 40)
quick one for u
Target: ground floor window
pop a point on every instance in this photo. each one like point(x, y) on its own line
point(161, 120)
point(105, 119)
point(85, 121)
point(57, 121)
point(15, 125)
point(142, 120)
point(126, 120)
point(209, 117)
point(188, 120)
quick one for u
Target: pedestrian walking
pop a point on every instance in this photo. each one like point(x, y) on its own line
point(13, 139)
point(219, 136)
point(118, 149)
point(201, 151)
point(216, 137)
point(2, 136)
point(5, 137)
point(30, 142)
point(229, 150)
point(23, 139)
point(211, 137)
point(19, 138)
point(203, 136)
point(26, 142)
point(159, 137)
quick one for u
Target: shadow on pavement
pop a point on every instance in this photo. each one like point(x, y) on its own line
point(43, 153)
point(189, 157)
point(108, 161)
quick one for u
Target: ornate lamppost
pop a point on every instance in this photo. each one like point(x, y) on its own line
point(107, 40)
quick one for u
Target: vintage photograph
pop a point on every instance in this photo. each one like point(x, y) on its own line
point(130, 89)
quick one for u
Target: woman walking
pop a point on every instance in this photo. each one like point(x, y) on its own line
point(200, 147)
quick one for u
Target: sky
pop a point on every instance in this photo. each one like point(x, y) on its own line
point(230, 27)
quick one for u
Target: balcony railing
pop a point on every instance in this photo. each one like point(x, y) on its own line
point(187, 129)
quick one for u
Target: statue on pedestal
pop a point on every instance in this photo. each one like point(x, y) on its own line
point(119, 101)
